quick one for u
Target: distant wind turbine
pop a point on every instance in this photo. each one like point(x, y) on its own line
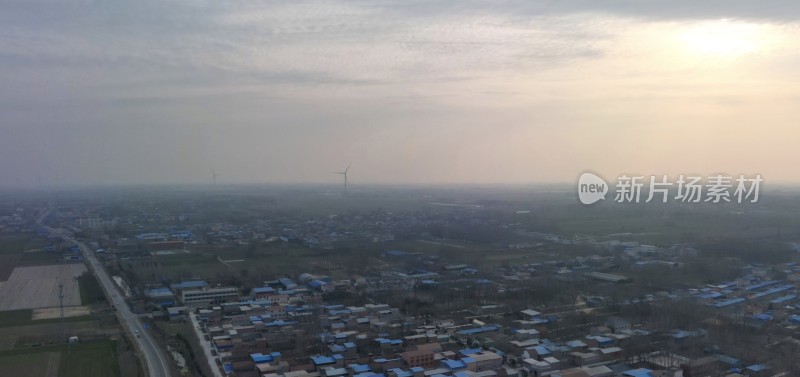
point(344, 173)
point(214, 177)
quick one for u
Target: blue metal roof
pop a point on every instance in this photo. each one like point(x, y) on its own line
point(764, 317)
point(454, 364)
point(189, 284)
point(470, 351)
point(681, 334)
point(382, 360)
point(158, 291)
point(478, 330)
point(259, 358)
point(762, 285)
point(336, 372)
point(360, 368)
point(280, 323)
point(757, 367)
point(389, 341)
point(397, 371)
point(576, 343)
point(322, 360)
point(603, 340)
point(725, 359)
point(641, 372)
point(783, 299)
point(773, 291)
point(541, 350)
point(730, 302)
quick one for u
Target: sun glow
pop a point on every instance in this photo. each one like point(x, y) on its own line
point(725, 38)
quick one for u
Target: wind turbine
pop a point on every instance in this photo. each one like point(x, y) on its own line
point(344, 173)
point(214, 177)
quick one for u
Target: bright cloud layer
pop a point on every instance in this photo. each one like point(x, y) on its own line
point(412, 92)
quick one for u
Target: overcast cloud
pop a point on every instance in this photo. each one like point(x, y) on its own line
point(113, 92)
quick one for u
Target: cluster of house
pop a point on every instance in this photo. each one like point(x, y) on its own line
point(304, 339)
point(15, 222)
point(179, 297)
point(756, 299)
point(284, 329)
point(321, 231)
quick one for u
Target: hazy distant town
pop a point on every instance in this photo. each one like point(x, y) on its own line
point(416, 282)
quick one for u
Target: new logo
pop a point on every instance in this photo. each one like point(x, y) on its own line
point(591, 188)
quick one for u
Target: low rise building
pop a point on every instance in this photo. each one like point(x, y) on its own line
point(209, 296)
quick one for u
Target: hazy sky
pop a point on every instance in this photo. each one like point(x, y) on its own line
point(146, 91)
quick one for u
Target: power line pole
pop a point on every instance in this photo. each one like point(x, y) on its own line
point(61, 308)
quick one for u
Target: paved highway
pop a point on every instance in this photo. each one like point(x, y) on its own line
point(157, 363)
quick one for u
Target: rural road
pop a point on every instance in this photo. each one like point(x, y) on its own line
point(157, 364)
point(212, 365)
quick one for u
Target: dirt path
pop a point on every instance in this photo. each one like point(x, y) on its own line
point(53, 361)
point(69, 311)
